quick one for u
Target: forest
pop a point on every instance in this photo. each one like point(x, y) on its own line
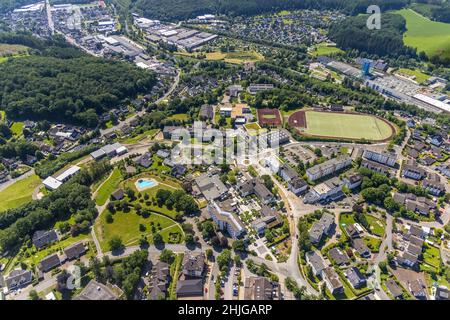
point(60, 83)
point(388, 41)
point(184, 9)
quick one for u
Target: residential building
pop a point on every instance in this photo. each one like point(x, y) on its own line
point(261, 288)
point(394, 289)
point(75, 251)
point(386, 158)
point(193, 264)
point(159, 281)
point(49, 262)
point(329, 190)
point(297, 186)
point(287, 173)
point(328, 167)
point(332, 280)
point(226, 220)
point(18, 278)
point(355, 277)
point(433, 187)
point(412, 170)
point(360, 247)
point(189, 288)
point(338, 256)
point(353, 181)
point(255, 88)
point(41, 238)
point(321, 227)
point(316, 262)
point(211, 187)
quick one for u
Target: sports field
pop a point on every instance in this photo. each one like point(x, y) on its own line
point(426, 35)
point(344, 125)
point(18, 193)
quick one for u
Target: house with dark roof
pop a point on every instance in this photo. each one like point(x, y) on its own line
point(433, 187)
point(49, 262)
point(338, 256)
point(360, 247)
point(315, 261)
point(188, 288)
point(75, 251)
point(332, 280)
point(206, 112)
point(418, 289)
point(193, 264)
point(355, 277)
point(18, 278)
point(119, 194)
point(394, 289)
point(159, 281)
point(41, 238)
point(297, 186)
point(323, 226)
point(261, 288)
point(145, 160)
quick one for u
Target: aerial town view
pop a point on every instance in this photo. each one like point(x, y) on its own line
point(225, 150)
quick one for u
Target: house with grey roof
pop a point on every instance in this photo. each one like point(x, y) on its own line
point(49, 262)
point(315, 261)
point(338, 256)
point(41, 238)
point(211, 187)
point(321, 227)
point(189, 288)
point(355, 277)
point(193, 264)
point(18, 278)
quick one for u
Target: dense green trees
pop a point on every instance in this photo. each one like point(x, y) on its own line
point(183, 9)
point(63, 84)
point(352, 33)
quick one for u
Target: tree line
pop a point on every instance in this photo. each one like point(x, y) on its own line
point(61, 83)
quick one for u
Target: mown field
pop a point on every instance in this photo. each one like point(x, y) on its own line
point(429, 36)
point(324, 49)
point(18, 193)
point(237, 57)
point(346, 126)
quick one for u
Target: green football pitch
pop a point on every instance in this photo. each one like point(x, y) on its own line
point(347, 126)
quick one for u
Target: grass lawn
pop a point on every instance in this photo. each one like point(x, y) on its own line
point(345, 219)
point(17, 128)
point(12, 49)
point(269, 116)
point(431, 256)
point(19, 193)
point(147, 134)
point(2, 115)
point(376, 225)
point(252, 126)
point(347, 126)
point(108, 187)
point(373, 243)
point(237, 57)
point(179, 117)
point(323, 49)
point(126, 226)
point(56, 247)
point(420, 76)
point(426, 35)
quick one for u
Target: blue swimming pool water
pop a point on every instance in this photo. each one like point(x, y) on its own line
point(146, 183)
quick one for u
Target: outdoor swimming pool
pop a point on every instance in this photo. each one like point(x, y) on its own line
point(146, 183)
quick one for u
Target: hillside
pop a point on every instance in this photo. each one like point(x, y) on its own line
point(184, 9)
point(63, 84)
point(352, 33)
